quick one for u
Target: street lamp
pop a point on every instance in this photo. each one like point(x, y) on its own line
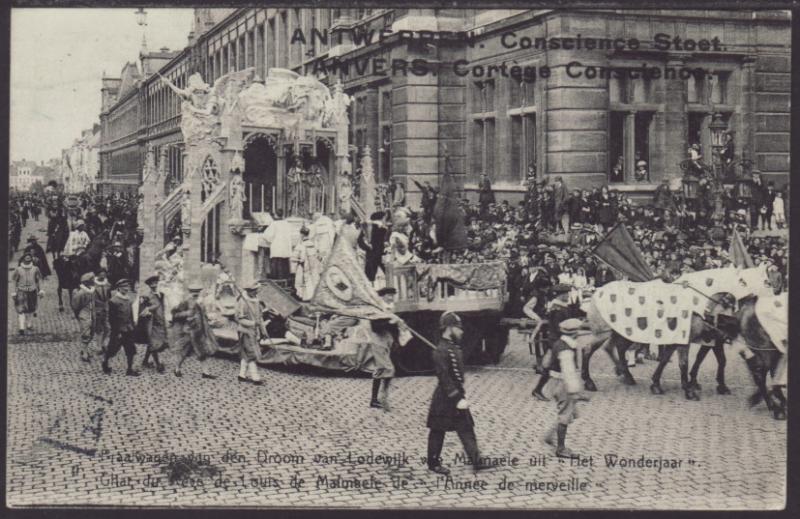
point(690, 184)
point(141, 21)
point(744, 181)
point(718, 127)
point(141, 17)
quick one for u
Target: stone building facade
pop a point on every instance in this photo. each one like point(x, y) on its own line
point(22, 175)
point(80, 163)
point(566, 123)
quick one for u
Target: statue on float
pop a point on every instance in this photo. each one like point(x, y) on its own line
point(186, 212)
point(335, 110)
point(236, 190)
point(295, 180)
point(202, 105)
point(198, 109)
point(306, 98)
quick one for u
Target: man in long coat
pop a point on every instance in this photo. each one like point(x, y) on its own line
point(375, 248)
point(27, 289)
point(307, 265)
point(83, 306)
point(154, 321)
point(251, 328)
point(102, 295)
point(120, 317)
point(486, 195)
point(193, 334)
point(449, 410)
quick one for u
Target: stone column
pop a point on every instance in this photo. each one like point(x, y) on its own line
point(192, 242)
point(230, 245)
point(675, 122)
point(744, 137)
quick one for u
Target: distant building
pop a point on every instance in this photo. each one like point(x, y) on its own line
point(23, 175)
point(80, 167)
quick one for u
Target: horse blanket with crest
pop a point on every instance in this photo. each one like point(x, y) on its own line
point(652, 312)
point(773, 315)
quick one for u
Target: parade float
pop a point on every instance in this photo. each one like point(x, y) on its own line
point(253, 149)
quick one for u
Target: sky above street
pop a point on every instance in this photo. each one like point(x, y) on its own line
point(57, 61)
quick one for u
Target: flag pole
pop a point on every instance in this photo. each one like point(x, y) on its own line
point(684, 284)
point(410, 329)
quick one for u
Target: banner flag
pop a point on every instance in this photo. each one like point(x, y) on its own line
point(343, 287)
point(738, 252)
point(619, 251)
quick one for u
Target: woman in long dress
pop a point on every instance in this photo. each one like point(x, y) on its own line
point(307, 266)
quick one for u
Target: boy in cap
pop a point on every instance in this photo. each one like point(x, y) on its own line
point(564, 369)
point(152, 309)
point(27, 288)
point(194, 333)
point(449, 409)
point(251, 329)
point(84, 308)
point(120, 317)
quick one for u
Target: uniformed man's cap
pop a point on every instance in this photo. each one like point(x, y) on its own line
point(449, 319)
point(151, 280)
point(570, 326)
point(122, 283)
point(195, 287)
point(387, 291)
point(87, 278)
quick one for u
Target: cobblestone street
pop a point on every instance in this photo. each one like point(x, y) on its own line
point(79, 437)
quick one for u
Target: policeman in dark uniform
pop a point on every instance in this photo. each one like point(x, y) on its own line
point(449, 410)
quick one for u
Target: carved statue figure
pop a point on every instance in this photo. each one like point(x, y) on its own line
point(294, 188)
point(150, 172)
point(236, 195)
point(316, 187)
point(198, 109)
point(345, 192)
point(335, 111)
point(186, 210)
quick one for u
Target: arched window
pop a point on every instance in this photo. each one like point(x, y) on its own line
point(210, 178)
point(209, 234)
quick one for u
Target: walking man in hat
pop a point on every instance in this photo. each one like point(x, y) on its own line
point(194, 333)
point(120, 316)
point(155, 325)
point(564, 369)
point(449, 410)
point(27, 289)
point(102, 295)
point(251, 329)
point(386, 335)
point(84, 307)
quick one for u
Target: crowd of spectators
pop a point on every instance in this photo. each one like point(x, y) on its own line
point(674, 235)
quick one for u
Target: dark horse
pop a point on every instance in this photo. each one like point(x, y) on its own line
point(70, 269)
point(719, 351)
point(766, 358)
point(57, 232)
